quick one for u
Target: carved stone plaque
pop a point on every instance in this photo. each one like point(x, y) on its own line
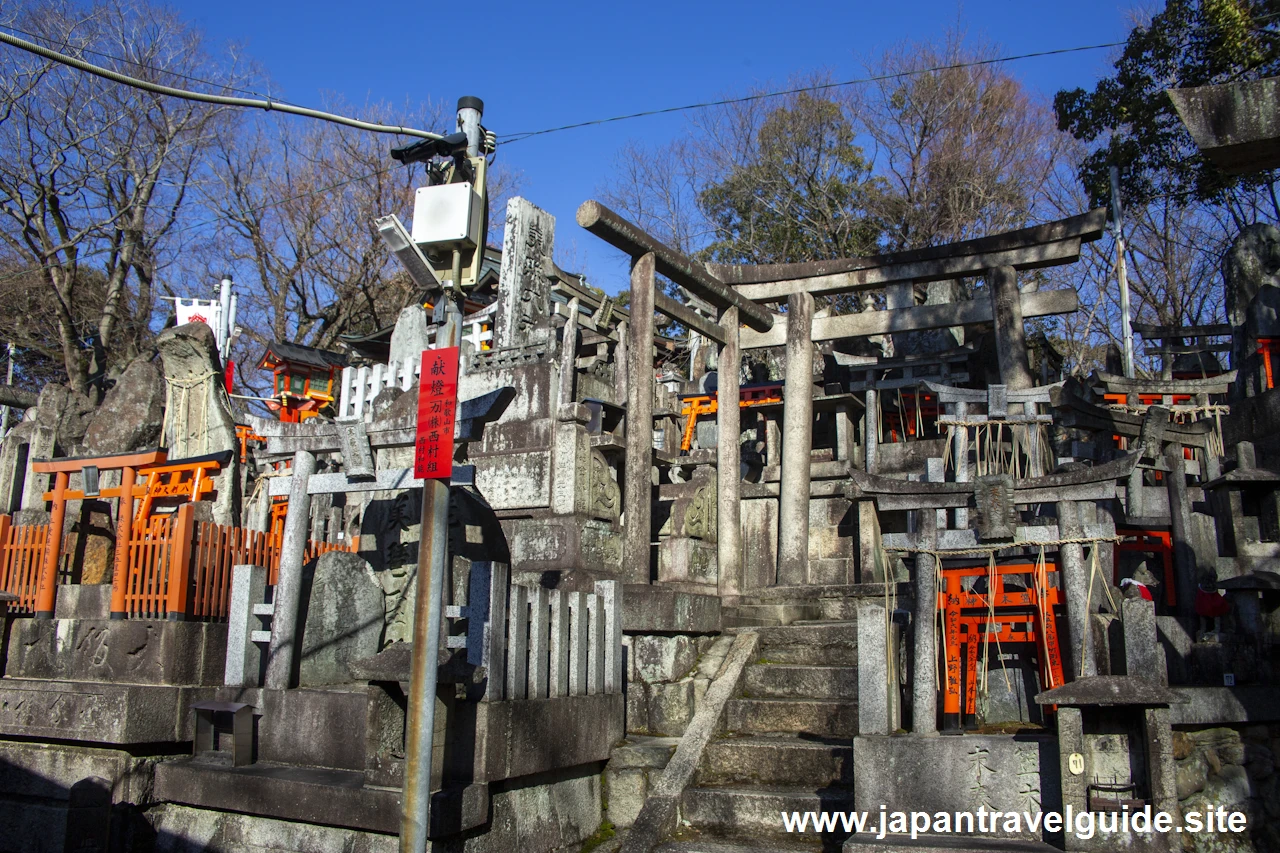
point(357, 457)
point(997, 514)
point(524, 293)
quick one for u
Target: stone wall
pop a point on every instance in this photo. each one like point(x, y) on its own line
point(1235, 769)
point(667, 675)
point(667, 678)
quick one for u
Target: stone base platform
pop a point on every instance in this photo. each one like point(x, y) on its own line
point(868, 843)
point(132, 651)
point(304, 794)
point(103, 714)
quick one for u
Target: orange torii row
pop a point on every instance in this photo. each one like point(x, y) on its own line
point(1017, 616)
point(185, 480)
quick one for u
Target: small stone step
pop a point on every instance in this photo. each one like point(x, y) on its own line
point(744, 846)
point(260, 636)
point(640, 751)
point(779, 760)
point(834, 718)
point(757, 811)
point(810, 633)
point(868, 843)
point(789, 681)
point(810, 643)
point(264, 609)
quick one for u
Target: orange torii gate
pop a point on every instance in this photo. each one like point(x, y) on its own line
point(972, 619)
point(186, 480)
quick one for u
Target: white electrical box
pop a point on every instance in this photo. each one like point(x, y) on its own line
point(446, 216)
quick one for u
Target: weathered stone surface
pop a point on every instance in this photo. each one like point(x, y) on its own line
point(316, 728)
point(99, 713)
point(83, 601)
point(821, 717)
point(290, 794)
point(67, 413)
point(637, 709)
point(1217, 705)
point(344, 618)
point(565, 543)
point(390, 529)
point(198, 419)
point(777, 761)
point(646, 753)
point(512, 741)
point(658, 658)
point(132, 651)
point(409, 338)
point(48, 770)
point(1191, 774)
point(549, 816)
point(131, 416)
point(944, 774)
point(685, 560)
point(180, 829)
point(627, 790)
point(647, 608)
point(671, 707)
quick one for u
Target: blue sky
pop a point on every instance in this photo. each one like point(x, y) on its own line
point(539, 65)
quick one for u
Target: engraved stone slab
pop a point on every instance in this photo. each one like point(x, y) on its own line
point(524, 293)
point(954, 774)
point(357, 457)
point(103, 713)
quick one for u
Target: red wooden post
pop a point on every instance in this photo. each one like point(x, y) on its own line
point(124, 530)
point(7, 561)
point(52, 548)
point(179, 574)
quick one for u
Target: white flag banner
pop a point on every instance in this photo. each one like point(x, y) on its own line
point(197, 311)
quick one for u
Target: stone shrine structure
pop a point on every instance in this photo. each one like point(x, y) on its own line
point(755, 557)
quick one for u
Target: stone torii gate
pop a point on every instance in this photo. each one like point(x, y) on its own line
point(998, 259)
point(741, 294)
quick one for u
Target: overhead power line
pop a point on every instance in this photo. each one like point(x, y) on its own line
point(36, 268)
point(520, 137)
point(142, 65)
point(202, 97)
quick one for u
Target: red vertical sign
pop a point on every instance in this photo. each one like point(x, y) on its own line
point(437, 400)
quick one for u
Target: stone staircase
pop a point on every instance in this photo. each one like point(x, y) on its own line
point(786, 744)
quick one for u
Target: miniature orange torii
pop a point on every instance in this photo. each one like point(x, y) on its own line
point(972, 619)
point(708, 404)
point(187, 480)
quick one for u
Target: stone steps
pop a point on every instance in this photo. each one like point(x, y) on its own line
point(742, 846)
point(835, 718)
point(868, 843)
point(790, 747)
point(756, 811)
point(787, 760)
point(780, 681)
point(810, 644)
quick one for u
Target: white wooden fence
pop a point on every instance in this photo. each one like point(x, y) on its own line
point(543, 644)
point(359, 385)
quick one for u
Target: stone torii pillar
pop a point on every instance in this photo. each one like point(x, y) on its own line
point(1077, 582)
point(283, 649)
point(797, 443)
point(729, 459)
point(924, 674)
point(637, 494)
point(1011, 337)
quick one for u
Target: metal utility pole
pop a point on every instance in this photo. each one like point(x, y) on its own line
point(1126, 320)
point(433, 556)
point(4, 418)
point(223, 332)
